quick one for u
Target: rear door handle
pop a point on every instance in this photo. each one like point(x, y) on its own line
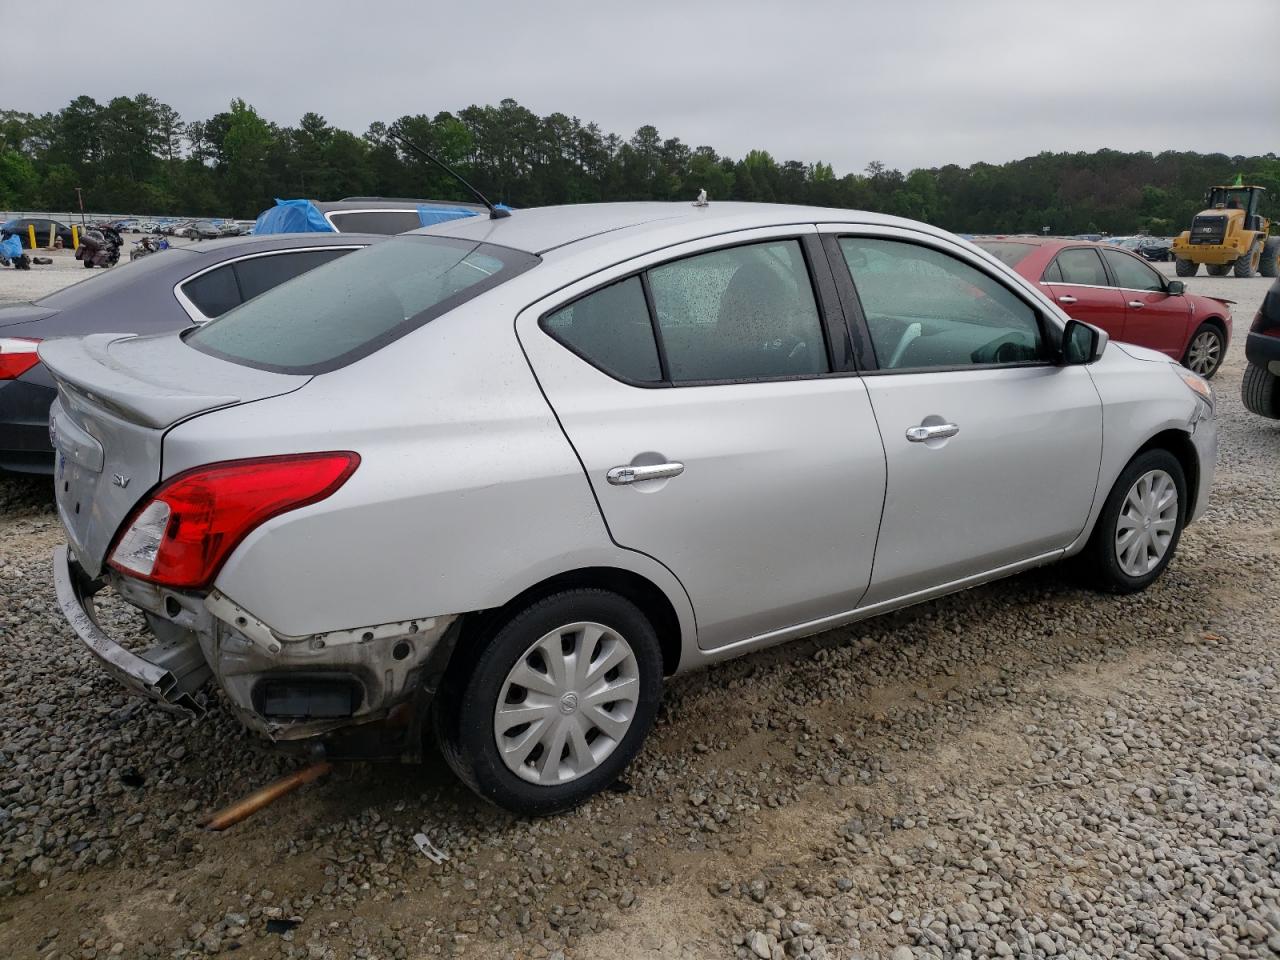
point(1066, 298)
point(621, 476)
point(935, 432)
point(1137, 304)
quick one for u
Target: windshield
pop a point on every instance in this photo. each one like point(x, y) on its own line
point(349, 308)
point(1006, 251)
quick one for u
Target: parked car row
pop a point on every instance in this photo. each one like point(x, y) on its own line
point(511, 474)
point(1159, 249)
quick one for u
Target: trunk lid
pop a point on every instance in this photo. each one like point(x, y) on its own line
point(118, 395)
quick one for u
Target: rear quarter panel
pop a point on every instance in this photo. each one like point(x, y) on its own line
point(466, 495)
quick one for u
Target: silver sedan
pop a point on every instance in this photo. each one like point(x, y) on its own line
point(508, 475)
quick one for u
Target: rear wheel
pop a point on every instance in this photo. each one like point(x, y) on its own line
point(1205, 351)
point(1140, 525)
point(88, 264)
point(1218, 269)
point(1244, 266)
point(1185, 268)
point(1269, 266)
point(556, 704)
point(1260, 391)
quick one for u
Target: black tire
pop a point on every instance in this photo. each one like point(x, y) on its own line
point(1205, 328)
point(1243, 267)
point(1269, 266)
point(1098, 561)
point(88, 264)
point(1260, 391)
point(1217, 269)
point(463, 712)
point(1185, 268)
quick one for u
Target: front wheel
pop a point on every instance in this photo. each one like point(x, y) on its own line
point(88, 263)
point(1140, 524)
point(1185, 268)
point(1206, 350)
point(555, 705)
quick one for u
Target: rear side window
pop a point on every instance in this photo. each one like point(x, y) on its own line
point(1082, 265)
point(215, 292)
point(1131, 273)
point(610, 329)
point(351, 307)
point(257, 275)
point(744, 313)
point(376, 221)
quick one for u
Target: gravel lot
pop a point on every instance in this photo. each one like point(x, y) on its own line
point(1026, 769)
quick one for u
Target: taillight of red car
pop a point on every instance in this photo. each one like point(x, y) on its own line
point(181, 534)
point(17, 356)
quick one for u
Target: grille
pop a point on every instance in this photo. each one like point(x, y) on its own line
point(1208, 229)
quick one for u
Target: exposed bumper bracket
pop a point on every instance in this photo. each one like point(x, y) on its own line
point(168, 673)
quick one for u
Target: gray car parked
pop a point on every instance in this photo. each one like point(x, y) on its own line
point(512, 473)
point(170, 290)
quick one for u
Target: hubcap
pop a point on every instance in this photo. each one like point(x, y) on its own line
point(567, 703)
point(1204, 353)
point(1147, 523)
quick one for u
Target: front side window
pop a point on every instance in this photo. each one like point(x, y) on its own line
point(742, 313)
point(925, 308)
point(610, 328)
point(357, 304)
point(1082, 265)
point(1131, 273)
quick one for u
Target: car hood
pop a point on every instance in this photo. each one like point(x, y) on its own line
point(15, 313)
point(1141, 353)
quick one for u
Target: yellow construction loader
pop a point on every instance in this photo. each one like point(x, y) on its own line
point(1229, 236)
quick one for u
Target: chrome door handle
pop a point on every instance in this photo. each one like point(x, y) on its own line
point(1137, 304)
point(1066, 298)
point(621, 476)
point(935, 432)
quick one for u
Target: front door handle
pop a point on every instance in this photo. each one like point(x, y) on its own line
point(936, 432)
point(1066, 298)
point(1137, 304)
point(621, 476)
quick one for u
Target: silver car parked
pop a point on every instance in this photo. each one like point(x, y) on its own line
point(511, 474)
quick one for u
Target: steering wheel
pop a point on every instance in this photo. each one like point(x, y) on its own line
point(909, 336)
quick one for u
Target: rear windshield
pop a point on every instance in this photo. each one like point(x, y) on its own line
point(376, 221)
point(351, 307)
point(99, 283)
point(1006, 251)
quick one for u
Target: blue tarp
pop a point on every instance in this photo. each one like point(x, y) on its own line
point(431, 215)
point(291, 216)
point(11, 247)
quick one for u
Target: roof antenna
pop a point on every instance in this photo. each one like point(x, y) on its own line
point(494, 212)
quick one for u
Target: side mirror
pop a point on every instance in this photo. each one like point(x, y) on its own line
point(1176, 288)
point(1082, 343)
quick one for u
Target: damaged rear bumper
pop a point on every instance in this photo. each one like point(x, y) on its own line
point(289, 688)
point(169, 673)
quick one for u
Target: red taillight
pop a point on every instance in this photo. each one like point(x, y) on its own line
point(182, 533)
point(17, 356)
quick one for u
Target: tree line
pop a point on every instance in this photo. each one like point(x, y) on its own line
point(137, 154)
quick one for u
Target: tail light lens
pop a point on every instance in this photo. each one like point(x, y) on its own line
point(17, 356)
point(181, 535)
point(1264, 324)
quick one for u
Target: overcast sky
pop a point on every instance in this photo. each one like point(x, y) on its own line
point(909, 82)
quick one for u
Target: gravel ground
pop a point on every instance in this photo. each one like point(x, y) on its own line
point(1026, 769)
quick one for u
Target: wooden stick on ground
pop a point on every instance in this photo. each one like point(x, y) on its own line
point(242, 809)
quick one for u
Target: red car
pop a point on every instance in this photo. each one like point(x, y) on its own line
point(1118, 291)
